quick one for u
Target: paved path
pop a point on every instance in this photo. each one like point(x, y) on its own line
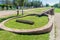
point(10, 12)
point(57, 23)
point(52, 34)
point(5, 13)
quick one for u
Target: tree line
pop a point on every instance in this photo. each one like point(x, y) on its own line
point(57, 5)
point(18, 3)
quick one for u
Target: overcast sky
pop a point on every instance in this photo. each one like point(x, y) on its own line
point(51, 2)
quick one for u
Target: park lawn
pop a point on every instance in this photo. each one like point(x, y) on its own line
point(5, 35)
point(36, 10)
point(38, 22)
point(57, 10)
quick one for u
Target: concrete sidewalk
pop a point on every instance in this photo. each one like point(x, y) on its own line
point(10, 12)
point(57, 23)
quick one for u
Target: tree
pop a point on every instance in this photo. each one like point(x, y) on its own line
point(22, 5)
point(8, 4)
point(33, 3)
point(37, 3)
point(2, 5)
point(47, 5)
point(57, 5)
point(17, 4)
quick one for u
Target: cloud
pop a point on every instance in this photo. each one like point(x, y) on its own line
point(51, 2)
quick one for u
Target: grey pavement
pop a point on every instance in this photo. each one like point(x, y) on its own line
point(7, 13)
point(57, 23)
point(10, 12)
point(52, 33)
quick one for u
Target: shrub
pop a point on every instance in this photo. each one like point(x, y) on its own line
point(25, 21)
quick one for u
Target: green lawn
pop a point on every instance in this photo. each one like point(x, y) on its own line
point(4, 35)
point(57, 10)
point(36, 10)
point(38, 22)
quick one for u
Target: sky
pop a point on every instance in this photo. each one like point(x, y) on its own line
point(51, 2)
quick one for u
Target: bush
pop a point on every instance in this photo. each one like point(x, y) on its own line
point(2, 19)
point(25, 21)
point(2, 6)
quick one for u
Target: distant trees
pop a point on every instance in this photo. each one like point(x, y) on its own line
point(27, 3)
point(57, 5)
point(33, 3)
point(47, 5)
point(6, 3)
point(2, 6)
point(37, 4)
point(18, 3)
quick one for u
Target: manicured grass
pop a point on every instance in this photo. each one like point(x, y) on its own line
point(57, 10)
point(4, 35)
point(38, 22)
point(36, 10)
point(2, 19)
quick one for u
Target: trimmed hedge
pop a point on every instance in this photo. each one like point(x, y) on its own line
point(25, 21)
